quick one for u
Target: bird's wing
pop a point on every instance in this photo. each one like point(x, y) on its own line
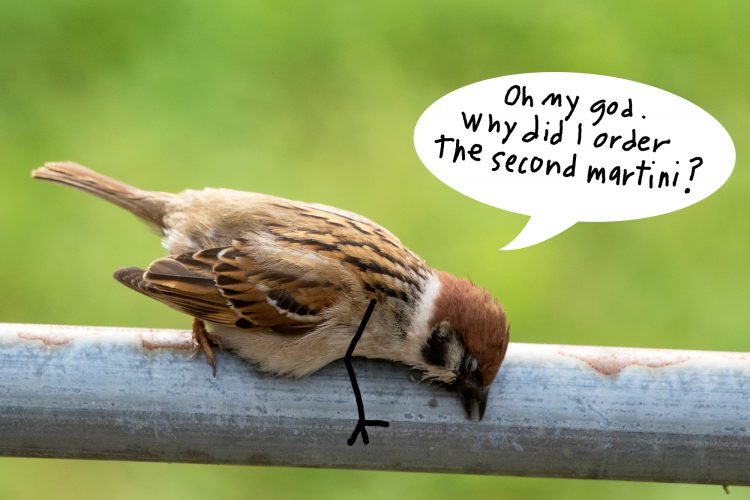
point(381, 263)
point(246, 286)
point(278, 264)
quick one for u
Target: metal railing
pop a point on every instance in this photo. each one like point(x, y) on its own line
point(554, 410)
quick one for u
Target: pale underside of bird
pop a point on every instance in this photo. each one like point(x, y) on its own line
point(284, 284)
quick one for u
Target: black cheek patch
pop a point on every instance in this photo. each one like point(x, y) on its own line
point(436, 349)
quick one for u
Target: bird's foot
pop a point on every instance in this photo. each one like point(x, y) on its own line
point(202, 340)
point(361, 428)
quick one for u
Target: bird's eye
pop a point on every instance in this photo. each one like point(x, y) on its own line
point(471, 364)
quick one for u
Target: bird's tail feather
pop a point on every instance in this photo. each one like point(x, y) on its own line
point(148, 205)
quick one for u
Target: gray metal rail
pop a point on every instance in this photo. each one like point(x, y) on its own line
point(561, 411)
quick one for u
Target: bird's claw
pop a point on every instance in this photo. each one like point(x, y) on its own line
point(202, 341)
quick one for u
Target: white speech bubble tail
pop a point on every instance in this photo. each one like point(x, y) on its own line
point(537, 230)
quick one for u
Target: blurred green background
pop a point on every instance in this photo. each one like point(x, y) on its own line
point(318, 101)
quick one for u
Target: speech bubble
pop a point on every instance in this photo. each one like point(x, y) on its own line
point(573, 147)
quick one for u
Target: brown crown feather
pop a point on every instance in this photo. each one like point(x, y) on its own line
point(478, 318)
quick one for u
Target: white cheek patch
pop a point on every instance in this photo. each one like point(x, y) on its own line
point(454, 356)
point(444, 376)
point(425, 307)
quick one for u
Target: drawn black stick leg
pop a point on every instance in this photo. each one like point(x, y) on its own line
point(362, 422)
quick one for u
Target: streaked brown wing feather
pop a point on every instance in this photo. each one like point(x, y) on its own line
point(190, 295)
point(367, 250)
point(296, 261)
point(229, 286)
point(271, 286)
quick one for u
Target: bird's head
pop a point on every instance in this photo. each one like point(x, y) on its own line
point(465, 340)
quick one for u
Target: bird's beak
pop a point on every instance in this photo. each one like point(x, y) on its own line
point(471, 394)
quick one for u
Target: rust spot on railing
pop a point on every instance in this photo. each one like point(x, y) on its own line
point(53, 339)
point(608, 361)
point(165, 340)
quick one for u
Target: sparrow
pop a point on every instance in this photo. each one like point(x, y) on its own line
point(283, 284)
